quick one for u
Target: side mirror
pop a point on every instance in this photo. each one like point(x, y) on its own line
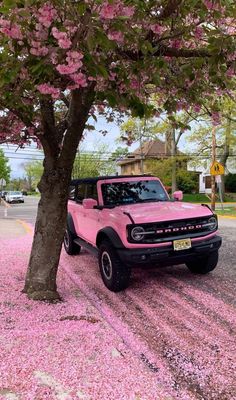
point(178, 196)
point(89, 203)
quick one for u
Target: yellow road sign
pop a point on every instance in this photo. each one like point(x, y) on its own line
point(217, 169)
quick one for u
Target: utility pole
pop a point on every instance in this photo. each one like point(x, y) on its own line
point(213, 179)
point(141, 147)
point(173, 158)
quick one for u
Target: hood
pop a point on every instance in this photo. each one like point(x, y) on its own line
point(164, 211)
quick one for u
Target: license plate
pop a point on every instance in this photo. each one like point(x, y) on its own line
point(182, 244)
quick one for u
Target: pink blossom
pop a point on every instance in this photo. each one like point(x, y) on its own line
point(65, 69)
point(112, 76)
point(215, 116)
point(11, 30)
point(198, 33)
point(135, 84)
point(46, 88)
point(47, 14)
point(117, 36)
point(230, 72)
point(176, 43)
point(64, 43)
point(73, 56)
point(40, 51)
point(108, 11)
point(208, 4)
point(157, 28)
point(79, 79)
point(197, 108)
point(127, 11)
point(63, 40)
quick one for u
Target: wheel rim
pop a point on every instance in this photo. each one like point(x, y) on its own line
point(106, 265)
point(66, 239)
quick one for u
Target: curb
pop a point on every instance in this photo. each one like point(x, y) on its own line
point(5, 204)
point(28, 228)
point(226, 216)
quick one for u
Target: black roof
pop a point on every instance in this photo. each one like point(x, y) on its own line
point(99, 178)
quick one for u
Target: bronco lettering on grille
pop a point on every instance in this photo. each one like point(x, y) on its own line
point(180, 229)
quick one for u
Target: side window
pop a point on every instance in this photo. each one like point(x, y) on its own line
point(71, 193)
point(91, 191)
point(81, 192)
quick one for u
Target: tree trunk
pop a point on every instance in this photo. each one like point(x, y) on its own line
point(49, 231)
point(60, 151)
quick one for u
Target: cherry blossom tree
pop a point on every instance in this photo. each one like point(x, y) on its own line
point(64, 61)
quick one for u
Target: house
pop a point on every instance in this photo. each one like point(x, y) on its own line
point(203, 168)
point(136, 162)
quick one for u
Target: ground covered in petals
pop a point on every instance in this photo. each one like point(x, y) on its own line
point(170, 335)
point(61, 351)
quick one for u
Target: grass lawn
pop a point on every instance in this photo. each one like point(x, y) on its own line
point(202, 198)
point(230, 211)
point(196, 198)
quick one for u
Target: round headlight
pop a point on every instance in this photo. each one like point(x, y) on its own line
point(212, 223)
point(136, 233)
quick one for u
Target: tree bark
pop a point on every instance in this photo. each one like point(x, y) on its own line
point(49, 230)
point(40, 283)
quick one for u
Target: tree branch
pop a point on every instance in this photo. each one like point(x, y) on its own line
point(49, 139)
point(170, 9)
point(163, 50)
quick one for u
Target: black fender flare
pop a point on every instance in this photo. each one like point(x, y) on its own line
point(111, 235)
point(70, 224)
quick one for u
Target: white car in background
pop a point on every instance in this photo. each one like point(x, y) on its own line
point(15, 197)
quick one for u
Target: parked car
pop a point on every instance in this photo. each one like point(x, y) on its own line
point(14, 197)
point(130, 221)
point(3, 195)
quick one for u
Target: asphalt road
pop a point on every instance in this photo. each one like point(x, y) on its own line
point(26, 211)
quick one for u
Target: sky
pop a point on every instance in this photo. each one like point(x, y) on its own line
point(92, 141)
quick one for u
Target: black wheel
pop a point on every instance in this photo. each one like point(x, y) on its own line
point(70, 246)
point(115, 274)
point(204, 265)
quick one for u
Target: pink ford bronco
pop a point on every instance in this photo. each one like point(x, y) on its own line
point(131, 221)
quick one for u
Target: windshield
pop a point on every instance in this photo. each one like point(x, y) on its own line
point(14, 193)
point(118, 193)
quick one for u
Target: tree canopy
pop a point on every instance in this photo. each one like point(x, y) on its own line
point(4, 167)
point(124, 50)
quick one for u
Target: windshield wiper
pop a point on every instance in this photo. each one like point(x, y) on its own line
point(151, 200)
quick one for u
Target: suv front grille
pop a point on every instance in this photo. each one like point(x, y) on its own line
point(171, 230)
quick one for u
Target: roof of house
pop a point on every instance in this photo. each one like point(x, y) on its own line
point(152, 148)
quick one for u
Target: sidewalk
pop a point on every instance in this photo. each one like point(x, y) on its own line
point(10, 228)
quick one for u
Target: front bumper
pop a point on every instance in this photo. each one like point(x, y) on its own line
point(166, 255)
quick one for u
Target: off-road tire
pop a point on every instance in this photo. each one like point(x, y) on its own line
point(115, 274)
point(69, 245)
point(204, 265)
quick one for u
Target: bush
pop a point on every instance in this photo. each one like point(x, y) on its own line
point(187, 181)
point(230, 183)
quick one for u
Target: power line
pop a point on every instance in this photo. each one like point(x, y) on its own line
point(163, 156)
